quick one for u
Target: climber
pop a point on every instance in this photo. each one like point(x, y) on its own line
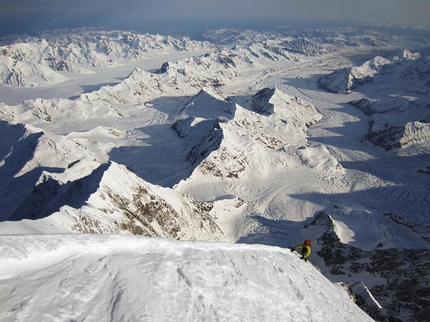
point(306, 249)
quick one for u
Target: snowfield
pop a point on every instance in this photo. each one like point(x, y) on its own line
point(266, 138)
point(124, 278)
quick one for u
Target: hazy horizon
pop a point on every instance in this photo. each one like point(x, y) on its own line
point(191, 16)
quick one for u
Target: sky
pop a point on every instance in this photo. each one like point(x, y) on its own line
point(29, 16)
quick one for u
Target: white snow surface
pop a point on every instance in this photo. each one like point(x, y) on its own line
point(126, 278)
point(194, 136)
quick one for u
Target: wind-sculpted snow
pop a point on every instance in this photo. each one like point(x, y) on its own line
point(119, 278)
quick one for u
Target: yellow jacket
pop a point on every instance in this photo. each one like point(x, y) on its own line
point(306, 250)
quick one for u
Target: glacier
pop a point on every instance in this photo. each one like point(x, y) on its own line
point(220, 146)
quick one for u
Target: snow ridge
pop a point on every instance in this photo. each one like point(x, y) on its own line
point(233, 144)
point(113, 200)
point(131, 278)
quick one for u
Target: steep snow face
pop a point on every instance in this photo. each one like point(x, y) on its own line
point(28, 152)
point(201, 116)
point(345, 80)
point(295, 112)
point(114, 200)
point(410, 68)
point(208, 104)
point(97, 278)
point(243, 140)
point(387, 268)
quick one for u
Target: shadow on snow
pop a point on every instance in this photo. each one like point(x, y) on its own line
point(281, 233)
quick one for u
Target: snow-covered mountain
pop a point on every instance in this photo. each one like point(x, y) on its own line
point(235, 144)
point(223, 130)
point(317, 41)
point(75, 192)
point(113, 200)
point(395, 97)
point(126, 278)
point(52, 56)
point(350, 78)
point(391, 258)
point(407, 123)
point(405, 66)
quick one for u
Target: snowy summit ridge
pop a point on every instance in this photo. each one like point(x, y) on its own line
point(275, 138)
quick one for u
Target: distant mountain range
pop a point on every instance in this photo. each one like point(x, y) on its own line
point(48, 59)
point(397, 87)
point(254, 137)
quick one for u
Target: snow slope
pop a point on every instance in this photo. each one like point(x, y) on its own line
point(113, 200)
point(236, 144)
point(395, 96)
point(119, 278)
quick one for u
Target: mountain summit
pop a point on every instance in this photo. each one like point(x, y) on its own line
point(125, 278)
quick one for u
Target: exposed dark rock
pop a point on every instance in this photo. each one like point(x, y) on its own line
point(403, 289)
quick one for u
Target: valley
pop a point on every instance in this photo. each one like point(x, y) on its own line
point(248, 137)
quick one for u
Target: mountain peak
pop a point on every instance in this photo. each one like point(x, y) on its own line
point(293, 110)
point(209, 103)
point(407, 55)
